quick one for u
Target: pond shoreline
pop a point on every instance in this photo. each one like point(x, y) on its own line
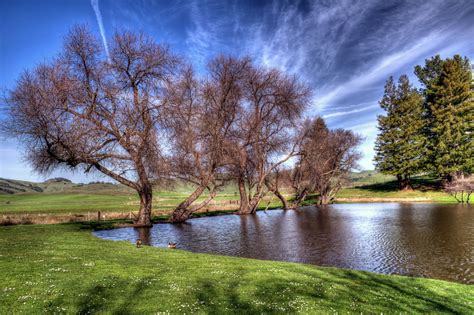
point(122, 218)
point(385, 237)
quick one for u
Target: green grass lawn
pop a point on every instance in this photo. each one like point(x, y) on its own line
point(64, 269)
point(379, 186)
point(429, 196)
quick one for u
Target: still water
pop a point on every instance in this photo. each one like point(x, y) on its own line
point(424, 240)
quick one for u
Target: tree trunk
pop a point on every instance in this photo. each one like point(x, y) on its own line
point(251, 207)
point(182, 212)
point(299, 198)
point(144, 214)
point(282, 199)
point(451, 177)
point(324, 199)
point(276, 192)
point(244, 201)
point(404, 182)
point(253, 204)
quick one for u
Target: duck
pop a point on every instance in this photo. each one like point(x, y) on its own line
point(139, 243)
point(171, 245)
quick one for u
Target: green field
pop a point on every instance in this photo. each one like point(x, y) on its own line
point(69, 198)
point(415, 195)
point(372, 185)
point(64, 269)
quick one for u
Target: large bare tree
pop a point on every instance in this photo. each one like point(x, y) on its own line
point(271, 108)
point(85, 110)
point(325, 160)
point(202, 116)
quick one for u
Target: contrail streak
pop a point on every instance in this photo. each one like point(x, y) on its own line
point(98, 15)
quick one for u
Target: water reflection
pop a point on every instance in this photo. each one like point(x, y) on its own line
point(410, 239)
point(144, 235)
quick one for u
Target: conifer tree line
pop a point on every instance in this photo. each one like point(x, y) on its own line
point(143, 117)
point(428, 130)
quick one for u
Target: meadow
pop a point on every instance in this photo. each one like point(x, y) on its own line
point(83, 201)
point(64, 269)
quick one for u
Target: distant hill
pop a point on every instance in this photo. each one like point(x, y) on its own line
point(10, 186)
point(58, 185)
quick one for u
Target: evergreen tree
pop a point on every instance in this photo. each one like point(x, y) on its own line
point(400, 143)
point(449, 115)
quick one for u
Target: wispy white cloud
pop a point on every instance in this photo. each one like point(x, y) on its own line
point(290, 39)
point(349, 112)
point(381, 70)
point(212, 24)
point(98, 15)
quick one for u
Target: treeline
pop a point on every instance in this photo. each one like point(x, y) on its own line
point(143, 117)
point(428, 130)
point(58, 180)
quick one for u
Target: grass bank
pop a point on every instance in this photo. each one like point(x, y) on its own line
point(64, 269)
point(56, 202)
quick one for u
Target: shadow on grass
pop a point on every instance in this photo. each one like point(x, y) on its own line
point(419, 183)
point(101, 225)
point(252, 290)
point(338, 290)
point(102, 297)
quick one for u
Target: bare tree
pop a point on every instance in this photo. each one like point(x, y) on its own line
point(326, 158)
point(83, 111)
point(202, 115)
point(263, 140)
point(277, 182)
point(461, 188)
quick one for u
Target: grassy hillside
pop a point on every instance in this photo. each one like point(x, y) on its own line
point(369, 178)
point(11, 186)
point(63, 269)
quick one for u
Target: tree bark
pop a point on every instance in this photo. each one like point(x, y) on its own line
point(451, 177)
point(253, 204)
point(244, 201)
point(299, 198)
point(282, 199)
point(182, 212)
point(249, 202)
point(404, 182)
point(144, 214)
point(324, 199)
point(276, 192)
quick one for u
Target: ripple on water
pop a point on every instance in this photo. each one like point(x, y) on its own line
point(424, 240)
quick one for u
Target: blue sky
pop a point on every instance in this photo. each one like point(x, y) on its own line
point(344, 50)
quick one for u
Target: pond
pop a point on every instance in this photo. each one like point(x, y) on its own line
point(423, 240)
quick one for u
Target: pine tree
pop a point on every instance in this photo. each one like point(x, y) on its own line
point(449, 115)
point(400, 143)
